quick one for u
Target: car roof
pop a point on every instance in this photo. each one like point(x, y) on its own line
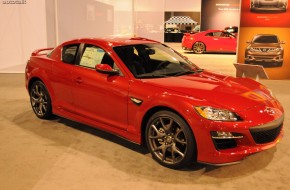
point(207, 31)
point(112, 41)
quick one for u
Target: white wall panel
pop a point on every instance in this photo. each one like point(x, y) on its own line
point(93, 18)
point(43, 23)
point(183, 5)
point(149, 19)
point(23, 29)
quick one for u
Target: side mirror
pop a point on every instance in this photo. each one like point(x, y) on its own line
point(282, 42)
point(106, 69)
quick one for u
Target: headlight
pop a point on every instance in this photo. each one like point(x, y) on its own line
point(271, 93)
point(275, 49)
point(264, 88)
point(254, 49)
point(216, 114)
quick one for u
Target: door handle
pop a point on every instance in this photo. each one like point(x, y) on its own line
point(79, 80)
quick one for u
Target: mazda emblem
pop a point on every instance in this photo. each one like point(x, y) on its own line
point(269, 110)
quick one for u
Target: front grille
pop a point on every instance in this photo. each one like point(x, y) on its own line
point(265, 50)
point(221, 144)
point(265, 136)
point(263, 57)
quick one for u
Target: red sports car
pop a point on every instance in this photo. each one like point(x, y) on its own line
point(210, 41)
point(148, 93)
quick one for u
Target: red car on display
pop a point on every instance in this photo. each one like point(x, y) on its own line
point(146, 92)
point(210, 41)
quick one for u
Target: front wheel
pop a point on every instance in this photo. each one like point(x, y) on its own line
point(198, 48)
point(170, 140)
point(40, 100)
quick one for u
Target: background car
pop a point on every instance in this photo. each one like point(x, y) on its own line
point(210, 41)
point(232, 29)
point(266, 50)
point(269, 5)
point(148, 93)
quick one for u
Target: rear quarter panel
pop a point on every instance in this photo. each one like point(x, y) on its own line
point(39, 67)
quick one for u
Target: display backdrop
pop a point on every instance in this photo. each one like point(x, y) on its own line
point(218, 14)
point(263, 18)
point(265, 24)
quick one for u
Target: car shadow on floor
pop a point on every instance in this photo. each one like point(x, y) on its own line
point(102, 134)
point(142, 149)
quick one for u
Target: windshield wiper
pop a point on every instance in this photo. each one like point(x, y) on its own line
point(151, 76)
point(187, 72)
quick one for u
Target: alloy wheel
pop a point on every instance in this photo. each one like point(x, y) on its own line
point(169, 140)
point(199, 47)
point(40, 100)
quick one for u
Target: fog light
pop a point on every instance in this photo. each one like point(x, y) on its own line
point(225, 135)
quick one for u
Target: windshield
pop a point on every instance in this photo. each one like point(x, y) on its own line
point(154, 61)
point(265, 39)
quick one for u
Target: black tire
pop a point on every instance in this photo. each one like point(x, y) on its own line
point(198, 48)
point(170, 140)
point(40, 100)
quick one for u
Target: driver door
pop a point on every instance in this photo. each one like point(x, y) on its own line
point(99, 97)
point(227, 42)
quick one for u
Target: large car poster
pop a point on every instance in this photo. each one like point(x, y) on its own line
point(264, 36)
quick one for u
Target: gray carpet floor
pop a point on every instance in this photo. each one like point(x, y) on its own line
point(61, 154)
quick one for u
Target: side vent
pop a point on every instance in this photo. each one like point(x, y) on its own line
point(136, 101)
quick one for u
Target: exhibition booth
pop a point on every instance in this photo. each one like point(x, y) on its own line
point(95, 121)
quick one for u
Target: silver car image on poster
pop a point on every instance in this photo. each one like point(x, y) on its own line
point(269, 5)
point(265, 50)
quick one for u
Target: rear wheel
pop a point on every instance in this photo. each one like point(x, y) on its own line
point(198, 47)
point(170, 140)
point(40, 100)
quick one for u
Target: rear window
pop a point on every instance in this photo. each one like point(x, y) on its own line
point(69, 53)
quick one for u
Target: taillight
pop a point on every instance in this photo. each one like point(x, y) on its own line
point(26, 68)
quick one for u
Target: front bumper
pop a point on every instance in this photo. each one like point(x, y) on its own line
point(270, 9)
point(265, 60)
point(230, 151)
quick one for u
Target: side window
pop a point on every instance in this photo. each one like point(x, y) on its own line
point(217, 34)
point(94, 55)
point(224, 34)
point(69, 53)
point(209, 34)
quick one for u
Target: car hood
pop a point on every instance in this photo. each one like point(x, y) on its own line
point(217, 90)
point(273, 45)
